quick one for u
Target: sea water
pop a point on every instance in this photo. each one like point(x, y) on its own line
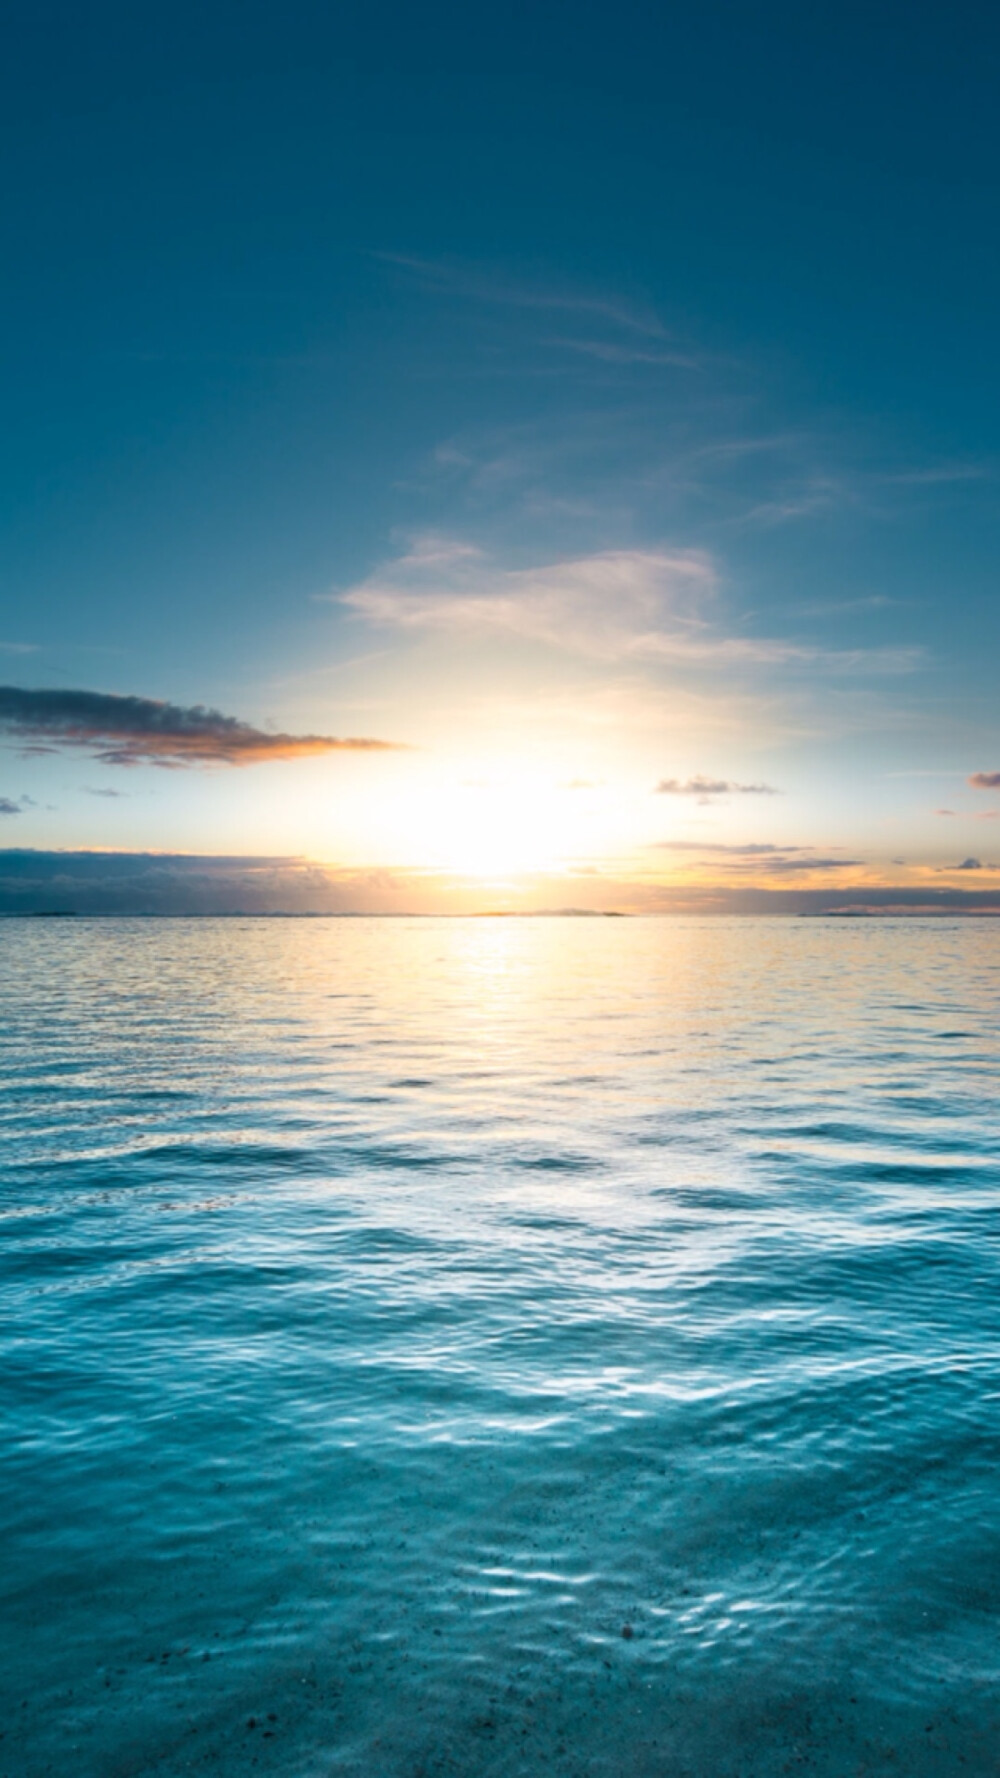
point(502, 1346)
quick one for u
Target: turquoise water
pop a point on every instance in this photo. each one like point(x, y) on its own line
point(500, 1346)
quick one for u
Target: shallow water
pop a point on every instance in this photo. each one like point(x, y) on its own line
point(500, 1346)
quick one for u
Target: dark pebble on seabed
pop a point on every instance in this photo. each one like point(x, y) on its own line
point(627, 1632)
point(252, 1722)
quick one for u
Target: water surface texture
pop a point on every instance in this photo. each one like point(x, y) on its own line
point(500, 1346)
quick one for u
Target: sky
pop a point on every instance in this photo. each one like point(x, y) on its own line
point(524, 457)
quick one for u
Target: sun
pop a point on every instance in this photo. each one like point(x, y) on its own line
point(494, 829)
point(497, 825)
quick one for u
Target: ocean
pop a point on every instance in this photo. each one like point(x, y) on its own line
point(441, 1348)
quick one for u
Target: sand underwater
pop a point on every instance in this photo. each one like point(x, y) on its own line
point(492, 1347)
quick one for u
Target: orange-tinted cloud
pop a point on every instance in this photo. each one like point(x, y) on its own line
point(128, 731)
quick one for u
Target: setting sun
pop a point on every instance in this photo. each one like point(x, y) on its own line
point(499, 826)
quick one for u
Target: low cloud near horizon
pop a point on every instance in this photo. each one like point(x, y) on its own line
point(172, 884)
point(759, 858)
point(755, 849)
point(985, 780)
point(127, 731)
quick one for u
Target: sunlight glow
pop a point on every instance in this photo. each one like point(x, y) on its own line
point(501, 825)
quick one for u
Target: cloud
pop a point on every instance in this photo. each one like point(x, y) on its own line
point(749, 851)
point(765, 859)
point(944, 811)
point(614, 605)
point(790, 866)
point(192, 885)
point(845, 607)
point(92, 791)
point(758, 858)
point(706, 788)
point(129, 731)
point(612, 352)
point(941, 474)
point(985, 780)
point(816, 493)
point(7, 807)
point(458, 278)
point(967, 864)
point(164, 883)
point(116, 883)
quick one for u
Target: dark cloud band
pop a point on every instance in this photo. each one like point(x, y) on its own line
point(128, 731)
point(129, 884)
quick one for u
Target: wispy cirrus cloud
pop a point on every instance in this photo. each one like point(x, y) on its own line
point(804, 499)
point(845, 607)
point(823, 490)
point(652, 605)
point(941, 474)
point(129, 731)
point(619, 353)
point(489, 285)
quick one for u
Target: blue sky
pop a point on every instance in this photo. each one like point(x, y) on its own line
point(576, 400)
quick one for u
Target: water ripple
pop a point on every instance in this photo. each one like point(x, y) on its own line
point(500, 1347)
